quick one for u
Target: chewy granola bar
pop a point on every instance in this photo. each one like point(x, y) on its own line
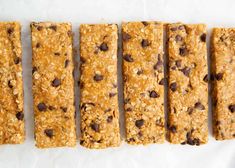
point(53, 84)
point(188, 84)
point(223, 68)
point(11, 85)
point(98, 83)
point(143, 82)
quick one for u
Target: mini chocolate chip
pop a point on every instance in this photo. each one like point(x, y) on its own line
point(173, 86)
point(10, 30)
point(53, 27)
point(70, 33)
point(104, 47)
point(199, 106)
point(181, 27)
point(20, 116)
point(145, 43)
point(154, 94)
point(34, 69)
point(9, 84)
point(38, 45)
point(231, 108)
point(178, 63)
point(64, 109)
point(173, 68)
point(178, 38)
point(140, 134)
point(186, 71)
point(82, 60)
point(51, 108)
point(42, 107)
point(39, 28)
point(158, 66)
point(98, 77)
point(56, 82)
point(107, 110)
point(112, 94)
point(49, 132)
point(139, 123)
point(127, 100)
point(110, 119)
point(125, 36)
point(173, 28)
point(219, 76)
point(57, 53)
point(190, 110)
point(66, 63)
point(95, 127)
point(144, 23)
point(203, 37)
point(205, 79)
point(128, 58)
point(139, 72)
point(217, 123)
point(162, 81)
point(183, 51)
point(129, 109)
point(173, 129)
point(17, 60)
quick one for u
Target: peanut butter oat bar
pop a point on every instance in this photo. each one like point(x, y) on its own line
point(143, 82)
point(53, 85)
point(223, 68)
point(11, 85)
point(99, 97)
point(188, 87)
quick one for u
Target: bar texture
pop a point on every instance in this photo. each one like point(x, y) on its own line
point(187, 84)
point(11, 85)
point(143, 82)
point(223, 70)
point(53, 85)
point(98, 84)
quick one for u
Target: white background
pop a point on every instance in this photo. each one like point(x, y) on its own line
point(212, 12)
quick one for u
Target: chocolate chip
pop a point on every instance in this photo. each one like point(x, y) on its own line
point(190, 110)
point(145, 43)
point(145, 23)
point(110, 119)
point(38, 45)
point(56, 82)
point(173, 129)
point(104, 47)
point(70, 33)
point(154, 94)
point(139, 72)
point(203, 37)
point(112, 94)
point(183, 51)
point(9, 84)
point(205, 79)
point(178, 63)
point(42, 107)
point(98, 77)
point(199, 106)
point(219, 76)
point(173, 86)
point(231, 108)
point(34, 69)
point(66, 63)
point(178, 38)
point(17, 60)
point(129, 109)
point(95, 127)
point(64, 109)
point(139, 123)
point(57, 54)
point(10, 30)
point(51, 108)
point(173, 28)
point(125, 36)
point(217, 123)
point(53, 27)
point(181, 27)
point(158, 66)
point(186, 71)
point(39, 28)
point(20, 116)
point(128, 58)
point(49, 132)
point(162, 81)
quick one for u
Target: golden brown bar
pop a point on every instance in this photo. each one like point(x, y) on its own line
point(223, 70)
point(143, 82)
point(11, 86)
point(188, 88)
point(53, 84)
point(99, 97)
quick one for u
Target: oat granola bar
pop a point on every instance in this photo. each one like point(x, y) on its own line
point(11, 86)
point(53, 84)
point(223, 70)
point(187, 84)
point(98, 84)
point(143, 78)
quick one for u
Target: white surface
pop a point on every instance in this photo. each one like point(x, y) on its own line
point(212, 12)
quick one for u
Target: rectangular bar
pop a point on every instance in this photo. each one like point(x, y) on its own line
point(223, 68)
point(143, 75)
point(53, 84)
point(188, 87)
point(99, 97)
point(11, 85)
